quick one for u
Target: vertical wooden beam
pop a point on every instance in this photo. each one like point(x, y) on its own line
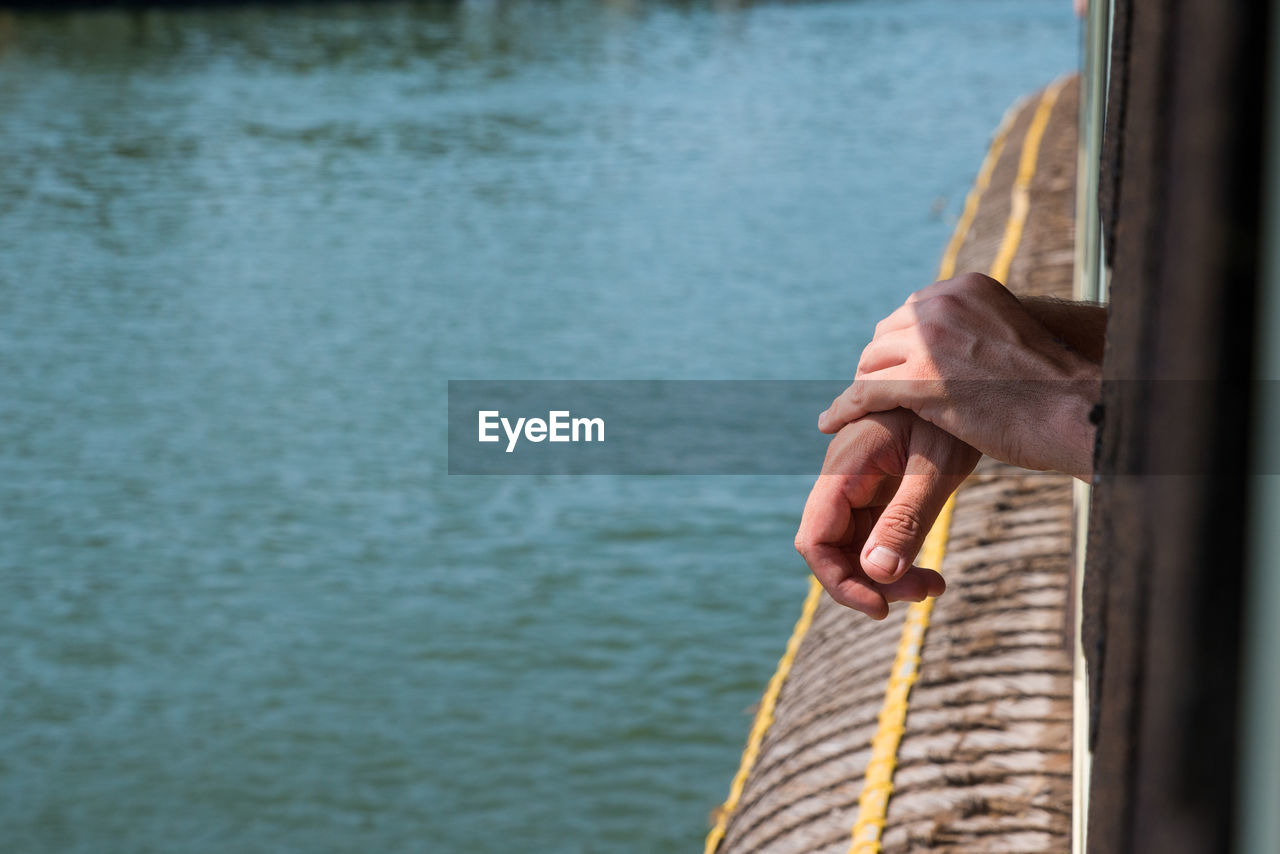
point(1167, 534)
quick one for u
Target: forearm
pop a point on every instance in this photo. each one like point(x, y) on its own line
point(1082, 326)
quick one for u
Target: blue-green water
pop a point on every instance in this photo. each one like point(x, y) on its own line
point(242, 606)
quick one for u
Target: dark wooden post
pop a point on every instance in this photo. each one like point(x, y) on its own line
point(1167, 525)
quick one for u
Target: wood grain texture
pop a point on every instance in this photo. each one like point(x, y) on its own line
point(1163, 584)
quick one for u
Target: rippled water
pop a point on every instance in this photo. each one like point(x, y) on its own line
point(242, 606)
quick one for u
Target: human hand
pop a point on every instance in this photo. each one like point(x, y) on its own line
point(966, 356)
point(885, 479)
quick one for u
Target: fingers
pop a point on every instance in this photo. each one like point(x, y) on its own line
point(890, 347)
point(903, 316)
point(826, 529)
point(886, 389)
point(885, 351)
point(828, 516)
point(845, 582)
point(915, 586)
point(851, 405)
point(829, 539)
point(897, 536)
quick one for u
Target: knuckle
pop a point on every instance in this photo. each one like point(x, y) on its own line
point(864, 359)
point(976, 282)
point(904, 521)
point(932, 332)
point(945, 304)
point(917, 371)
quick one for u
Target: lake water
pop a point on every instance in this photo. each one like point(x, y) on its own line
point(242, 250)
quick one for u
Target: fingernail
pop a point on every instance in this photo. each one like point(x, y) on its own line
point(882, 558)
point(822, 419)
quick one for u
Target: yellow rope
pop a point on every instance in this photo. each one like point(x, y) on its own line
point(878, 782)
point(1021, 201)
point(764, 716)
point(877, 786)
point(947, 267)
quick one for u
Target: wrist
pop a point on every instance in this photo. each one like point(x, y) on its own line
point(1074, 428)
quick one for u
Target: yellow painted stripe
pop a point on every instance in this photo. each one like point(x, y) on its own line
point(877, 784)
point(764, 716)
point(947, 267)
point(873, 803)
point(1021, 201)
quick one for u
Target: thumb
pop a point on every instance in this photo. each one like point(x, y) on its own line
point(902, 527)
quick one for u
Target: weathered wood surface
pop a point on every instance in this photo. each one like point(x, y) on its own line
point(1164, 582)
point(985, 763)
